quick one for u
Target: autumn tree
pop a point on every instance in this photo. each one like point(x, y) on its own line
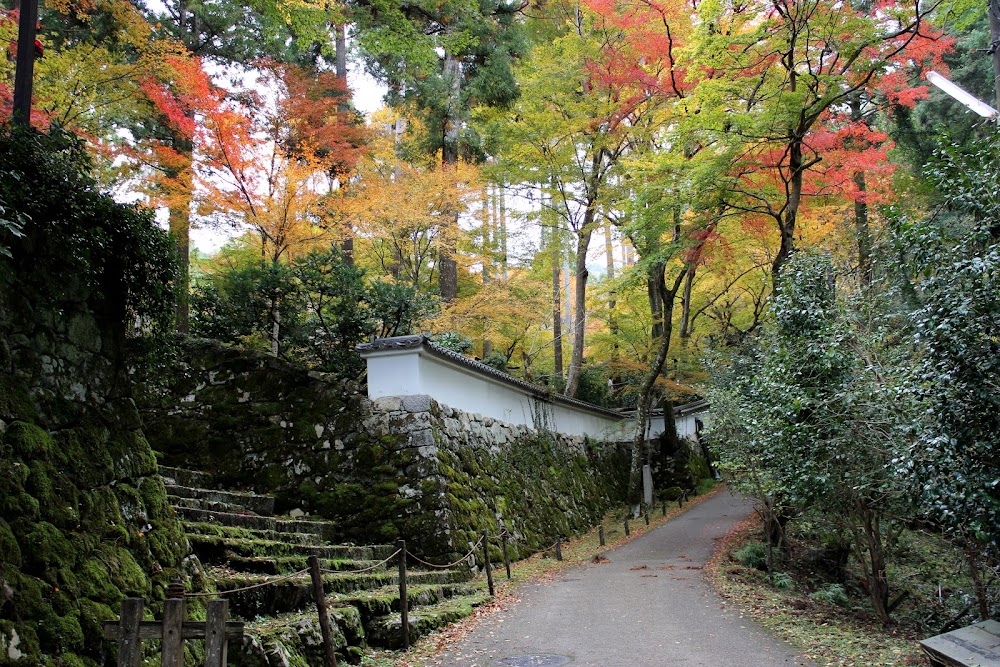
point(404, 212)
point(440, 61)
point(263, 164)
point(772, 72)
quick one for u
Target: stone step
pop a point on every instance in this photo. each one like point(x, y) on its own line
point(220, 530)
point(268, 565)
point(296, 639)
point(185, 477)
point(293, 638)
point(321, 529)
point(296, 594)
point(219, 549)
point(249, 502)
point(377, 602)
point(386, 631)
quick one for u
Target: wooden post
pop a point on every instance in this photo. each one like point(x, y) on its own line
point(129, 644)
point(489, 567)
point(559, 548)
point(216, 645)
point(627, 531)
point(404, 603)
point(324, 618)
point(172, 646)
point(647, 516)
point(600, 535)
point(664, 508)
point(506, 556)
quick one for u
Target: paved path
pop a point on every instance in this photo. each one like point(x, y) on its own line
point(647, 607)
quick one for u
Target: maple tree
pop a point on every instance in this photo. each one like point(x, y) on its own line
point(771, 75)
point(263, 164)
point(590, 91)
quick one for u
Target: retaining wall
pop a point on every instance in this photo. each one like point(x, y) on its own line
point(394, 467)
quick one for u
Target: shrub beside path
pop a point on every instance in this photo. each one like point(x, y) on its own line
point(647, 605)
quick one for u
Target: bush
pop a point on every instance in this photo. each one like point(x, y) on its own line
point(831, 594)
point(783, 581)
point(57, 224)
point(752, 554)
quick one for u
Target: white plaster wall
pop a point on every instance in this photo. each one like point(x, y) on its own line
point(415, 371)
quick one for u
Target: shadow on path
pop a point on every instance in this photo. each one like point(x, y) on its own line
point(647, 607)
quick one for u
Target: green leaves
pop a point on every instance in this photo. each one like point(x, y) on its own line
point(76, 235)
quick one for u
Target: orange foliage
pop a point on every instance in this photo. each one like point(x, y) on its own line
point(266, 164)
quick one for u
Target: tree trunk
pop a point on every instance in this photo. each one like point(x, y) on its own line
point(871, 556)
point(347, 245)
point(487, 233)
point(179, 224)
point(786, 223)
point(580, 303)
point(655, 297)
point(972, 558)
point(640, 443)
point(685, 332)
point(557, 333)
point(502, 222)
point(861, 232)
point(447, 266)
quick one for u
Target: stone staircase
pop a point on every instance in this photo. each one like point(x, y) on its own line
point(241, 544)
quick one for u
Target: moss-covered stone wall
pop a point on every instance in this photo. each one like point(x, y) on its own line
point(396, 468)
point(470, 474)
point(84, 520)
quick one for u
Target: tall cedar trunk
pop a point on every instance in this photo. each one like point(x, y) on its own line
point(861, 232)
point(347, 245)
point(640, 443)
point(502, 221)
point(580, 302)
point(179, 223)
point(179, 220)
point(487, 231)
point(612, 320)
point(448, 267)
point(557, 333)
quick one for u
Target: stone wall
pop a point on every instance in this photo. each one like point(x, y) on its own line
point(394, 468)
point(84, 520)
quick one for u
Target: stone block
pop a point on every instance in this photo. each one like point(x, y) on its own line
point(417, 403)
point(388, 404)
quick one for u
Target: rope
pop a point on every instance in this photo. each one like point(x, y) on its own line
point(247, 588)
point(367, 569)
point(444, 567)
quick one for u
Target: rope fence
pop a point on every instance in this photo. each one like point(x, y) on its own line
point(401, 554)
point(457, 562)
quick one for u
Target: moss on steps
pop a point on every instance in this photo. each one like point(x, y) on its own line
point(215, 548)
point(269, 565)
point(294, 594)
point(295, 639)
point(386, 630)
